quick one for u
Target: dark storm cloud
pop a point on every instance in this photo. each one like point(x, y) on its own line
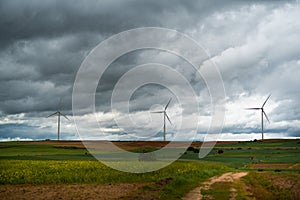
point(43, 43)
point(31, 19)
point(22, 20)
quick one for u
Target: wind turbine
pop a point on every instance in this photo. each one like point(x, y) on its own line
point(262, 116)
point(58, 113)
point(165, 116)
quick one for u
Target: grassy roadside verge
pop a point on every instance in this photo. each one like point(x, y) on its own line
point(256, 185)
point(272, 185)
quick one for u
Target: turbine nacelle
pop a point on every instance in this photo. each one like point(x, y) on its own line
point(58, 113)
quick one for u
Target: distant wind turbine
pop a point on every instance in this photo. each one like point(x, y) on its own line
point(165, 116)
point(58, 113)
point(262, 116)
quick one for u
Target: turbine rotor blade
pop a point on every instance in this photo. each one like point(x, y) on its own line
point(252, 108)
point(158, 112)
point(168, 104)
point(52, 114)
point(64, 115)
point(266, 100)
point(168, 118)
point(266, 116)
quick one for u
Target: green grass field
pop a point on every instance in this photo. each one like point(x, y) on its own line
point(240, 155)
point(24, 163)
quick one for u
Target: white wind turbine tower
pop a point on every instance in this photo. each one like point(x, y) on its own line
point(58, 113)
point(262, 116)
point(165, 116)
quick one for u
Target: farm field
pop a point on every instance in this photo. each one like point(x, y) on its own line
point(65, 169)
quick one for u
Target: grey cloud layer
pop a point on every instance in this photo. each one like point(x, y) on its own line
point(42, 44)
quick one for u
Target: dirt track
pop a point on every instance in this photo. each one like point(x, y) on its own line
point(195, 194)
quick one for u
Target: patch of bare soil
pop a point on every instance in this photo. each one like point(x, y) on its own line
point(74, 191)
point(61, 143)
point(195, 194)
point(124, 191)
point(106, 145)
point(149, 191)
point(291, 184)
point(274, 166)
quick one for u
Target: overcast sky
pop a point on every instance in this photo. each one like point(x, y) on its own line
point(255, 44)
